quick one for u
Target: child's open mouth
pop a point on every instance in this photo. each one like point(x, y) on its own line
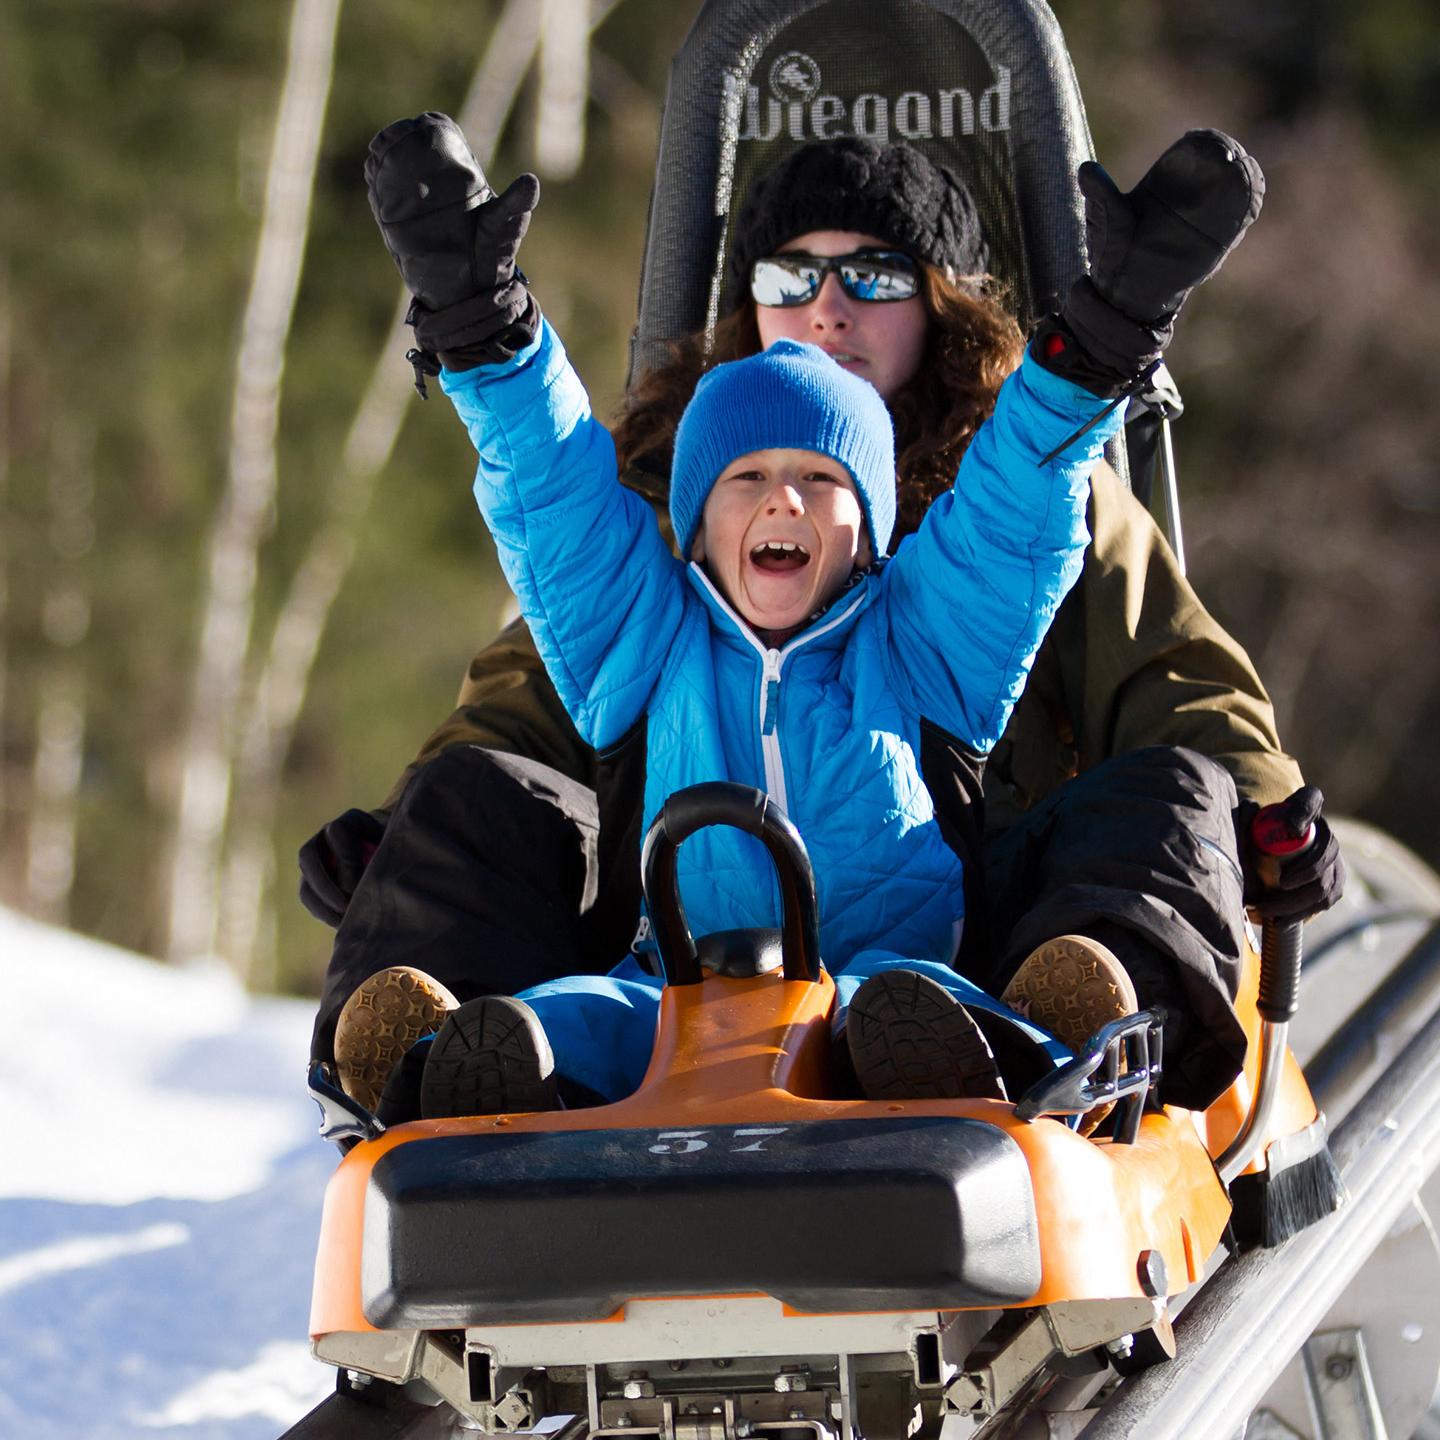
point(779, 557)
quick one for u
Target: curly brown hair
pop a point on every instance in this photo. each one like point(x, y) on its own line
point(971, 345)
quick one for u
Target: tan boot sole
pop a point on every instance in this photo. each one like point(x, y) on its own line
point(1072, 986)
point(385, 1016)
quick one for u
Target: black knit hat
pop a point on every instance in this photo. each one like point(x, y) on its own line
point(893, 192)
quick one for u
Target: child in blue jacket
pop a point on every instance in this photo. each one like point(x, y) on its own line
point(786, 654)
point(781, 650)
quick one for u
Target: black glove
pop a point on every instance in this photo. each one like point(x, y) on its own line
point(334, 858)
point(454, 241)
point(1298, 886)
point(1148, 249)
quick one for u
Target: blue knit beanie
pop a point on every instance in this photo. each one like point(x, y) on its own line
point(789, 397)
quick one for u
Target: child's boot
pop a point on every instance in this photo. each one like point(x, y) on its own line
point(384, 1017)
point(490, 1057)
point(910, 1039)
point(1073, 986)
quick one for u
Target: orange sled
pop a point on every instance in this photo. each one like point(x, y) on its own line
point(732, 1252)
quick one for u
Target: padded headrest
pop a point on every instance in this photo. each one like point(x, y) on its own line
point(984, 87)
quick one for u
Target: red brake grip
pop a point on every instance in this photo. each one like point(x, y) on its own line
point(1270, 835)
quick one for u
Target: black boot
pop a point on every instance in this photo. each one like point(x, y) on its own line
point(911, 1039)
point(490, 1057)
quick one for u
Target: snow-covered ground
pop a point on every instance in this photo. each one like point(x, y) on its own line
point(160, 1189)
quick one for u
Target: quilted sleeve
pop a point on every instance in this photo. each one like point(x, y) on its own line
point(596, 583)
point(971, 595)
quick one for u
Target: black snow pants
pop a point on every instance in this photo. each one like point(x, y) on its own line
point(1140, 854)
point(488, 878)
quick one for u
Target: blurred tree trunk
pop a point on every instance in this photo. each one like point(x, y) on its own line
point(247, 505)
point(5, 431)
point(60, 718)
point(564, 87)
point(247, 905)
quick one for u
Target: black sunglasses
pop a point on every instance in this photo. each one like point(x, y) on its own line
point(878, 276)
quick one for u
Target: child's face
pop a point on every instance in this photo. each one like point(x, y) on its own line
point(780, 534)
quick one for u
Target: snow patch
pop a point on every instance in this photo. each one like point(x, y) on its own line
point(85, 1252)
point(279, 1388)
point(160, 1198)
point(134, 1079)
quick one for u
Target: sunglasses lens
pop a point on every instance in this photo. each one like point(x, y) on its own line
point(879, 277)
point(779, 281)
point(869, 275)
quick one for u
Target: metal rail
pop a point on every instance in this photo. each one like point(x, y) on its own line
point(1412, 987)
point(1257, 1312)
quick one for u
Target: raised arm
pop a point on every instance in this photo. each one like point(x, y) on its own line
point(596, 583)
point(571, 542)
point(971, 595)
point(1148, 248)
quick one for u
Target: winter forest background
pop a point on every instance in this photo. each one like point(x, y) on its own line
point(240, 568)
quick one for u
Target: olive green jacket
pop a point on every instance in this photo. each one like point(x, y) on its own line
point(1133, 659)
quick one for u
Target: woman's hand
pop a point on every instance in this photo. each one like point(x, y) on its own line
point(1296, 886)
point(334, 858)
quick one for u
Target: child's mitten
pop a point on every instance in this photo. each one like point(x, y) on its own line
point(454, 241)
point(1149, 248)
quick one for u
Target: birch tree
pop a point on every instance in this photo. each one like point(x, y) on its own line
point(284, 679)
point(249, 495)
point(556, 29)
point(564, 87)
point(5, 429)
point(60, 692)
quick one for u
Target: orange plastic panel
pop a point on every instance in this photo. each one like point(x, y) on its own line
point(756, 1052)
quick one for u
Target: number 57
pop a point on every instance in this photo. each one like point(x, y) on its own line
point(687, 1142)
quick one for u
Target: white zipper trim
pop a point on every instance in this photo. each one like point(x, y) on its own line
point(772, 662)
point(770, 742)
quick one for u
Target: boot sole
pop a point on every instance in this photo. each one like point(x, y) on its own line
point(380, 1021)
point(910, 1039)
point(490, 1057)
point(1072, 986)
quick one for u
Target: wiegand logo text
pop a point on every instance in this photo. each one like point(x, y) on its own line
point(797, 105)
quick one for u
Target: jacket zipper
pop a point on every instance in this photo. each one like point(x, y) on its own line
point(770, 730)
point(773, 661)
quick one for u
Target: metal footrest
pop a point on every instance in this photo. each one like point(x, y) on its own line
point(1119, 1064)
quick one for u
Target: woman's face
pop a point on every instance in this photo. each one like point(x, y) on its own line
point(882, 342)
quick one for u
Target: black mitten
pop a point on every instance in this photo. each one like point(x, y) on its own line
point(1148, 249)
point(334, 858)
point(454, 241)
point(1292, 887)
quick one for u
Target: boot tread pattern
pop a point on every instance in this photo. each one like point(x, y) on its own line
point(491, 1057)
point(910, 1039)
point(385, 1016)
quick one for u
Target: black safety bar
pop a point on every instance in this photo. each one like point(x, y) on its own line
point(722, 802)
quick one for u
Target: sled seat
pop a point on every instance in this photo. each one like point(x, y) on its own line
point(900, 1214)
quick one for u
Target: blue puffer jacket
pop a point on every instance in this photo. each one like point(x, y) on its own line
point(830, 724)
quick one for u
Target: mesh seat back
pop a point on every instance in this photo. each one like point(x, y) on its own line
point(985, 87)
